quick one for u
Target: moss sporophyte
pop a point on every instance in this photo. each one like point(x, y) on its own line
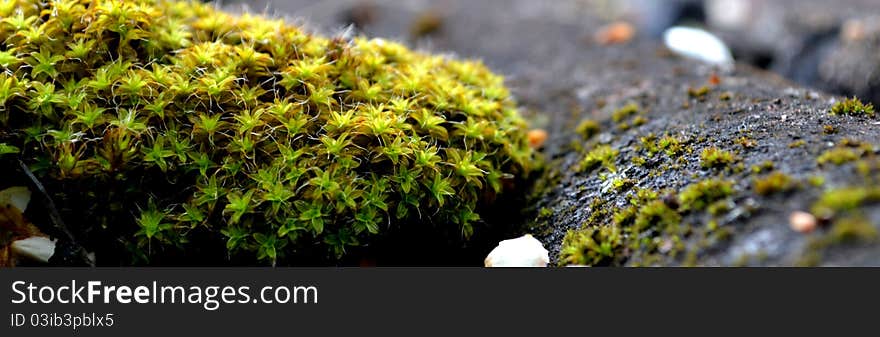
point(177, 123)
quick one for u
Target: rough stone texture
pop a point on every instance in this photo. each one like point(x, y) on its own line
point(560, 77)
point(807, 41)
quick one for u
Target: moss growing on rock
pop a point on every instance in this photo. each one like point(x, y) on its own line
point(171, 124)
point(699, 195)
point(714, 157)
point(852, 107)
point(601, 246)
point(773, 183)
point(625, 112)
point(602, 155)
point(838, 156)
point(588, 128)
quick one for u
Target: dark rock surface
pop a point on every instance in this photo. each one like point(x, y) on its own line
point(561, 77)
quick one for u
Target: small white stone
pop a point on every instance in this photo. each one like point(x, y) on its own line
point(698, 44)
point(802, 222)
point(17, 196)
point(36, 248)
point(524, 251)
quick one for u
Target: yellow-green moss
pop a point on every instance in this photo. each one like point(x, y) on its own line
point(593, 246)
point(845, 199)
point(797, 144)
point(172, 124)
point(699, 195)
point(602, 155)
point(625, 112)
point(838, 156)
point(773, 183)
point(852, 107)
point(588, 128)
point(714, 157)
point(746, 142)
point(698, 93)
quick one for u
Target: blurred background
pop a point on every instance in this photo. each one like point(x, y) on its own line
point(829, 45)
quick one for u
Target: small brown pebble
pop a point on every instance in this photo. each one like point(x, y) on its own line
point(802, 222)
point(615, 33)
point(537, 137)
point(853, 31)
point(714, 79)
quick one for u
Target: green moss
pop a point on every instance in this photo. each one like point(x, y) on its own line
point(797, 144)
point(714, 157)
point(838, 156)
point(699, 195)
point(816, 181)
point(773, 183)
point(246, 131)
point(670, 145)
point(620, 184)
point(595, 246)
point(625, 112)
point(699, 93)
point(725, 96)
point(545, 212)
point(829, 129)
point(602, 155)
point(588, 128)
point(639, 161)
point(639, 121)
point(656, 215)
point(853, 229)
point(843, 200)
point(852, 107)
point(765, 166)
point(746, 142)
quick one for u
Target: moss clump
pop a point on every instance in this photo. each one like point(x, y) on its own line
point(245, 131)
point(767, 165)
point(656, 215)
point(797, 144)
point(773, 183)
point(838, 156)
point(620, 184)
point(852, 107)
point(714, 157)
point(829, 129)
point(746, 142)
point(625, 112)
point(588, 128)
point(593, 246)
point(853, 230)
point(699, 93)
point(844, 200)
point(602, 155)
point(699, 195)
point(670, 145)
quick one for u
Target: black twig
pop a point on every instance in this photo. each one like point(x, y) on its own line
point(54, 216)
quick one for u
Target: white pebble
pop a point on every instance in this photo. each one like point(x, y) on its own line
point(698, 44)
point(524, 251)
point(36, 248)
point(802, 222)
point(17, 196)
